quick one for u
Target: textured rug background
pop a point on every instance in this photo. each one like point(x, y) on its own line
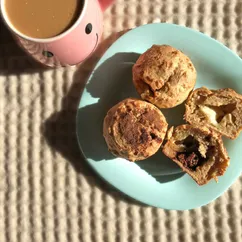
point(47, 191)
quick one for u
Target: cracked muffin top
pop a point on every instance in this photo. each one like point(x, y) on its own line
point(164, 76)
point(134, 129)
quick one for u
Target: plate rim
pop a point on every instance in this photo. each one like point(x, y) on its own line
point(116, 42)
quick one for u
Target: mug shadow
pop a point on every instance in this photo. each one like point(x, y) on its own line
point(110, 83)
point(11, 53)
point(59, 130)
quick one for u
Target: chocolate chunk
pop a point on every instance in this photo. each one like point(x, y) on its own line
point(192, 160)
point(189, 160)
point(144, 136)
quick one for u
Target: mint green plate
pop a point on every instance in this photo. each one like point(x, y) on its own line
point(156, 181)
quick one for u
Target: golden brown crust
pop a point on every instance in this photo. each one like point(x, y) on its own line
point(198, 151)
point(134, 129)
point(164, 76)
point(219, 110)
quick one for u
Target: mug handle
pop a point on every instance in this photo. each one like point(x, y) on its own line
point(105, 4)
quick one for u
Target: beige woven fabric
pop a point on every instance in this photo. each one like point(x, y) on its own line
point(47, 191)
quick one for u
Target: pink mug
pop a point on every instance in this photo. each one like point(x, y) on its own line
point(71, 47)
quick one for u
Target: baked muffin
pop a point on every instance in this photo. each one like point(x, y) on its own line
point(134, 129)
point(198, 151)
point(220, 110)
point(164, 76)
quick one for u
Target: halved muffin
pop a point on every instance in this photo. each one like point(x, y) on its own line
point(134, 129)
point(164, 76)
point(198, 151)
point(220, 110)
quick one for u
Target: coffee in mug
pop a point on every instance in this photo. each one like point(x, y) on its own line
point(55, 32)
point(43, 18)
